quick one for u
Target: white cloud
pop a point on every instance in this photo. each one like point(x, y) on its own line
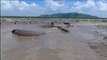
point(20, 5)
point(16, 7)
point(102, 5)
point(54, 5)
point(78, 6)
point(90, 4)
point(97, 8)
point(23, 6)
point(5, 5)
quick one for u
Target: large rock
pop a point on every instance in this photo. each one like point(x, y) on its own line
point(20, 32)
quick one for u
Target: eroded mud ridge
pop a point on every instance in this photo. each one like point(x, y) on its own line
point(100, 46)
point(86, 41)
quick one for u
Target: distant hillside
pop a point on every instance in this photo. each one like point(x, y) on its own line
point(69, 15)
point(59, 15)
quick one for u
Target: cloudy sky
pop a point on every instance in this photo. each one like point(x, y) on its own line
point(41, 7)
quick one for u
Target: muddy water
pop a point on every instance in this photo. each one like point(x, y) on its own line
point(54, 45)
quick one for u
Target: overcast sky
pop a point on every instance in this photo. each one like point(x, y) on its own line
point(41, 7)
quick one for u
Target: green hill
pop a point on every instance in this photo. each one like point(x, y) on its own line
point(69, 15)
point(58, 15)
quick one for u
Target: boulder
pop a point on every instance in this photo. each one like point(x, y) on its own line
point(20, 32)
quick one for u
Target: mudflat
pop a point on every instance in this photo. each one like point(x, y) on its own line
point(84, 42)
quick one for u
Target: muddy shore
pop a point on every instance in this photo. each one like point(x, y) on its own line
point(86, 41)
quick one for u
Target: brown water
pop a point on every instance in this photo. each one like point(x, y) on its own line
point(54, 45)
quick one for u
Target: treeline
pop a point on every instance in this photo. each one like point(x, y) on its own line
point(19, 17)
point(48, 17)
